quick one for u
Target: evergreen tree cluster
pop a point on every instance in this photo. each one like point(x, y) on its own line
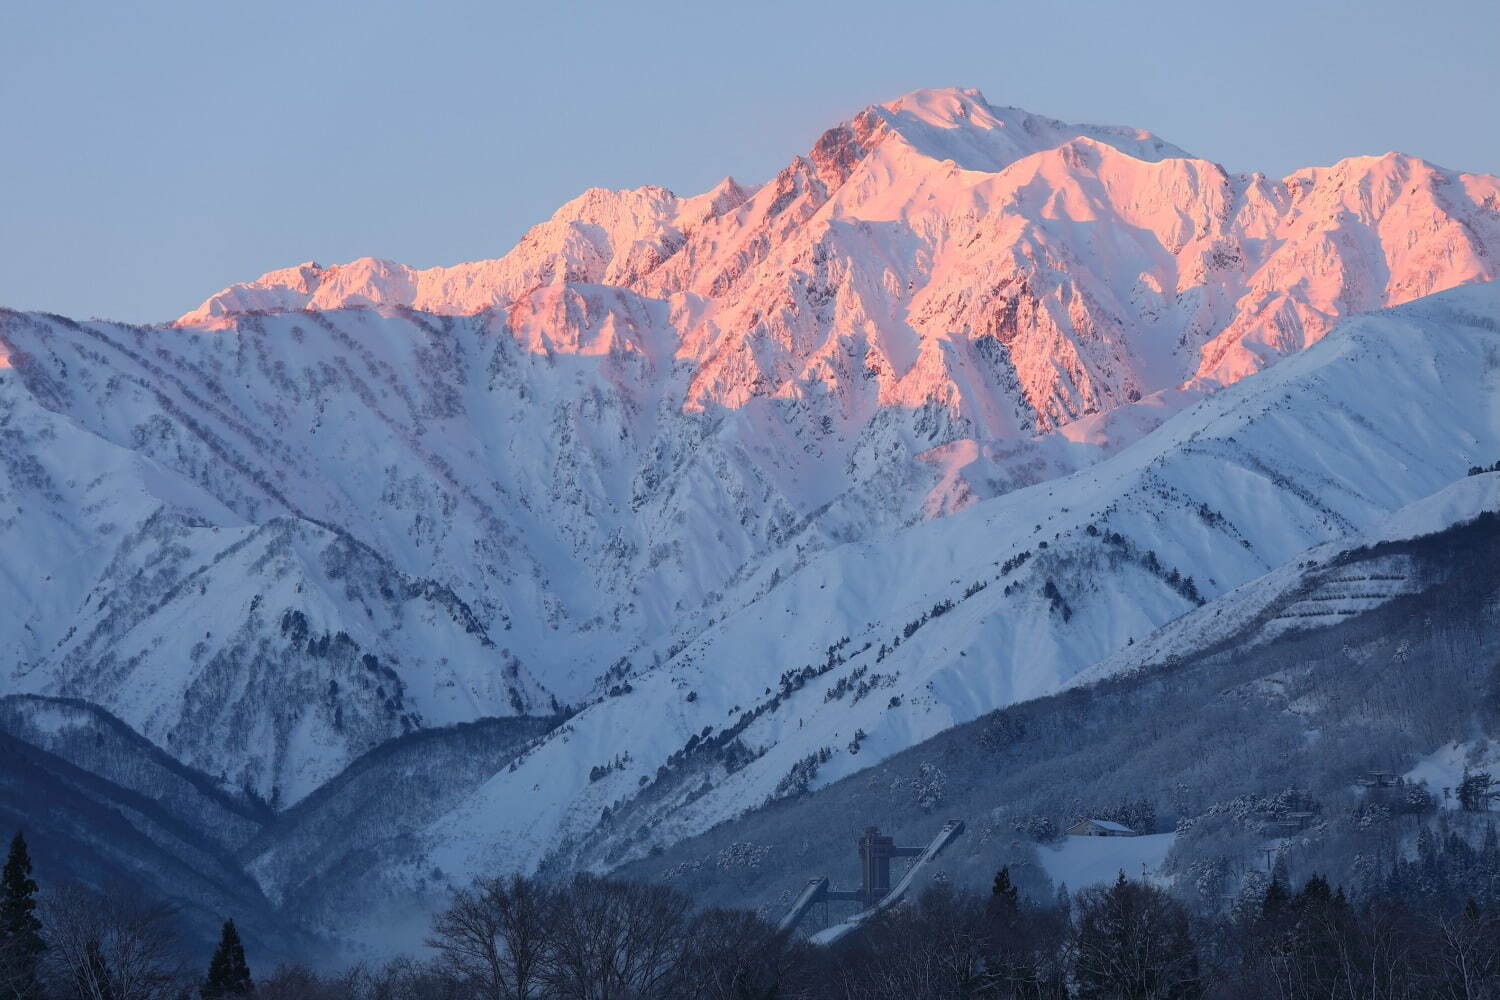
point(1448, 869)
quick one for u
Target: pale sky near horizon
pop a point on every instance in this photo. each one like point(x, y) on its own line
point(156, 150)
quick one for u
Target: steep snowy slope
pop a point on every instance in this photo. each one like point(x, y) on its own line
point(824, 665)
point(1314, 591)
point(1219, 742)
point(254, 643)
point(487, 522)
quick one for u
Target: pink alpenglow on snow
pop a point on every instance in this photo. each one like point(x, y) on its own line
point(1018, 272)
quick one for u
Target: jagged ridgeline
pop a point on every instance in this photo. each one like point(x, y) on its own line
point(695, 504)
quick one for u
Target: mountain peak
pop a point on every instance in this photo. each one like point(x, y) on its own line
point(948, 107)
point(962, 126)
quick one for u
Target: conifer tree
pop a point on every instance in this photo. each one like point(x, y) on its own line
point(21, 943)
point(228, 973)
point(1003, 895)
point(1281, 873)
point(1314, 893)
point(1276, 900)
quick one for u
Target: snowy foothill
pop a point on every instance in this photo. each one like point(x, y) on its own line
point(1444, 770)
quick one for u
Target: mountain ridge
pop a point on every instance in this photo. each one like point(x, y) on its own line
point(1106, 264)
point(732, 496)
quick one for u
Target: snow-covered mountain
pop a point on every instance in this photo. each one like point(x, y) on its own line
point(824, 664)
point(755, 487)
point(1376, 651)
point(1014, 271)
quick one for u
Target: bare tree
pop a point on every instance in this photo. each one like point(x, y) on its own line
point(298, 982)
point(1467, 956)
point(467, 937)
point(493, 938)
point(618, 941)
point(409, 979)
point(935, 949)
point(735, 955)
point(111, 945)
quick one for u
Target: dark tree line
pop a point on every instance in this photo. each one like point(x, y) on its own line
point(593, 938)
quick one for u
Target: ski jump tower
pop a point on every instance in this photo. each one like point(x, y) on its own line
point(875, 892)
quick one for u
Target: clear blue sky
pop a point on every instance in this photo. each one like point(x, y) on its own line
point(152, 152)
